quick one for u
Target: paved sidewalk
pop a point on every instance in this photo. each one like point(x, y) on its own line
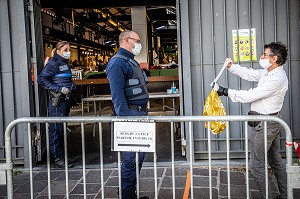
point(164, 173)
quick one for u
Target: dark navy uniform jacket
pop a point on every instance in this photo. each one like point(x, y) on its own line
point(56, 74)
point(118, 71)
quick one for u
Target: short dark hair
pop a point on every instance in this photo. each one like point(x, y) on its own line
point(278, 49)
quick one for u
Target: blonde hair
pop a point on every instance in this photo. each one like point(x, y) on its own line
point(58, 46)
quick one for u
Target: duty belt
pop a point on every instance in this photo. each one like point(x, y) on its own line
point(138, 107)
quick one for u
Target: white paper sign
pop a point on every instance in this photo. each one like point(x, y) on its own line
point(134, 136)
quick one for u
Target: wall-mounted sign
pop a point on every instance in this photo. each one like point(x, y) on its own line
point(134, 136)
point(244, 45)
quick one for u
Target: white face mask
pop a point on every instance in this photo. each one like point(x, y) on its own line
point(66, 55)
point(137, 49)
point(264, 63)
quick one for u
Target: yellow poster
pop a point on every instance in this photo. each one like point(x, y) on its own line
point(244, 45)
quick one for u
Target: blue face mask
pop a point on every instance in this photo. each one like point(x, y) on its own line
point(66, 55)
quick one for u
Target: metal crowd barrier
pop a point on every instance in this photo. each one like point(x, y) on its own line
point(292, 171)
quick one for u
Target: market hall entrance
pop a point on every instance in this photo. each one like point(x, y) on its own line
point(93, 35)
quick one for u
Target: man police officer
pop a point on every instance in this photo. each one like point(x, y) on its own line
point(130, 97)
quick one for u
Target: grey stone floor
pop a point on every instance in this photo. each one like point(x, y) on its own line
point(147, 186)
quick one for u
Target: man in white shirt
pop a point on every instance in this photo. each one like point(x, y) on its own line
point(267, 99)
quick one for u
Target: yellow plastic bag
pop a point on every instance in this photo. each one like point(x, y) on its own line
point(213, 107)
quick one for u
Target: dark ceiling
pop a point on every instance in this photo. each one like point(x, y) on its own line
point(107, 18)
point(104, 3)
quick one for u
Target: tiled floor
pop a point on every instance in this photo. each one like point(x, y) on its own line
point(147, 186)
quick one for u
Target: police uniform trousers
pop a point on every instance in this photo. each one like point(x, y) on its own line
point(56, 133)
point(128, 172)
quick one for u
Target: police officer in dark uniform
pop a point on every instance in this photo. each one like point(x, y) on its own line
point(130, 97)
point(57, 79)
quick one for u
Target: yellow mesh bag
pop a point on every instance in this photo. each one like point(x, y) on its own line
point(213, 107)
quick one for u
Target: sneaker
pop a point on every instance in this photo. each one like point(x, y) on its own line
point(60, 163)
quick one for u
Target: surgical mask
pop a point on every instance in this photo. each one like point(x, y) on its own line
point(137, 49)
point(264, 63)
point(66, 55)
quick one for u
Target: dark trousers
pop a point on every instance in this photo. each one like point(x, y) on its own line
point(128, 174)
point(257, 158)
point(56, 133)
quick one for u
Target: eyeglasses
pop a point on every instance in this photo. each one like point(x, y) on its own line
point(137, 40)
point(265, 55)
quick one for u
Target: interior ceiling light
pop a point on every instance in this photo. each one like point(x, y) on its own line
point(107, 42)
point(161, 27)
point(112, 22)
point(99, 11)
